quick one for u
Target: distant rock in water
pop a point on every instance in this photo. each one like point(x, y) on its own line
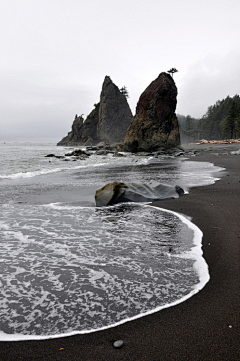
point(117, 192)
point(155, 124)
point(75, 134)
point(108, 122)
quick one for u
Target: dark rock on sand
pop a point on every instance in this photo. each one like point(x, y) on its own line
point(117, 192)
point(107, 122)
point(155, 124)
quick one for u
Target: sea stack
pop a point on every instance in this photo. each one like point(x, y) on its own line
point(115, 115)
point(108, 121)
point(155, 125)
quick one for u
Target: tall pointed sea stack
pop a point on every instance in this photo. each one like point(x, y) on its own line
point(114, 114)
point(155, 124)
point(107, 122)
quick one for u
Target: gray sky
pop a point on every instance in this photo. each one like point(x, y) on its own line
point(56, 53)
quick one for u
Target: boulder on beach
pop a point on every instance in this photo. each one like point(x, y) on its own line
point(155, 124)
point(117, 192)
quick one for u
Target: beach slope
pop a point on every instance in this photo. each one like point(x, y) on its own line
point(206, 326)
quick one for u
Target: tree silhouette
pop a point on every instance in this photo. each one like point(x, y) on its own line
point(214, 125)
point(172, 71)
point(231, 122)
point(124, 91)
point(188, 123)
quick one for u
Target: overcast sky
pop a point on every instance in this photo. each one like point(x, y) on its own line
point(56, 53)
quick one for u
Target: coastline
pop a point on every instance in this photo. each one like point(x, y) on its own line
point(197, 329)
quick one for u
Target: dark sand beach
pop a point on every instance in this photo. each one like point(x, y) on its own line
point(206, 326)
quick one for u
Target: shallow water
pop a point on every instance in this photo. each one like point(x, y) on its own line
point(74, 268)
point(69, 267)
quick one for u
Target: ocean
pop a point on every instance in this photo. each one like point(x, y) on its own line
point(69, 267)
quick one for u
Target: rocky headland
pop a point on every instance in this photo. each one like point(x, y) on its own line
point(107, 122)
point(155, 124)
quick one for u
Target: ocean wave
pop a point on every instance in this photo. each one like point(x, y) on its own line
point(63, 206)
point(45, 171)
point(31, 174)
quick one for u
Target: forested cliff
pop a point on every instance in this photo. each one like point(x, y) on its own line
point(221, 121)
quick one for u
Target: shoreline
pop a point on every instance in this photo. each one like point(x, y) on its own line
point(200, 266)
point(204, 327)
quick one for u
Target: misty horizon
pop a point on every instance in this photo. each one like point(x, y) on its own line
point(55, 57)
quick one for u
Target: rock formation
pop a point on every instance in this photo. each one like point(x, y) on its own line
point(108, 122)
point(88, 135)
point(75, 133)
point(114, 114)
point(117, 192)
point(155, 124)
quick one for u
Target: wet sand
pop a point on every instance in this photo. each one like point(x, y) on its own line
point(206, 326)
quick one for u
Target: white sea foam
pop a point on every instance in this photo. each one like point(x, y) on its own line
point(195, 252)
point(101, 245)
point(45, 171)
point(63, 206)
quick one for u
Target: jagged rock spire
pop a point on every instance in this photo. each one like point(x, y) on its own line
point(114, 114)
point(107, 122)
point(155, 124)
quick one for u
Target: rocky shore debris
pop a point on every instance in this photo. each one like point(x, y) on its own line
point(78, 153)
point(54, 156)
point(117, 151)
point(224, 141)
point(118, 192)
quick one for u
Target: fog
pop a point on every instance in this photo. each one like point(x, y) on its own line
point(56, 54)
